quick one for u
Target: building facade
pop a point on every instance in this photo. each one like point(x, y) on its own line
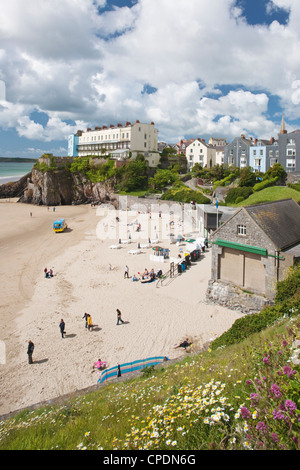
point(237, 152)
point(119, 142)
point(263, 154)
point(200, 152)
point(289, 151)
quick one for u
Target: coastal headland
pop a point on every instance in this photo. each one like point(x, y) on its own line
point(89, 277)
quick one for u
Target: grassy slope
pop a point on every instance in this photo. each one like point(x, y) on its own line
point(273, 193)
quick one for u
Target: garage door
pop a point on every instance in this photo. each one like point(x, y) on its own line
point(242, 269)
point(254, 277)
point(231, 266)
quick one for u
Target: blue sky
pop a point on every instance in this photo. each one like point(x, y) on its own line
point(197, 68)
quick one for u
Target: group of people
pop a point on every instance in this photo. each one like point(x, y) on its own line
point(48, 273)
point(88, 321)
point(150, 276)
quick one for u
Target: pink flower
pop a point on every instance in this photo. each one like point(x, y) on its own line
point(266, 359)
point(276, 390)
point(245, 412)
point(290, 405)
point(287, 370)
point(261, 427)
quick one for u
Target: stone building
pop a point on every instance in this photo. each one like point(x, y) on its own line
point(252, 251)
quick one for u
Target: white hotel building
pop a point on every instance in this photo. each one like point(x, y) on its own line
point(119, 142)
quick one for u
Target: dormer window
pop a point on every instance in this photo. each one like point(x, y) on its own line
point(241, 230)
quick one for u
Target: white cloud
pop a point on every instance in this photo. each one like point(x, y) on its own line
point(67, 59)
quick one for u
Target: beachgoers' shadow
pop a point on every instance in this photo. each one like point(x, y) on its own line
point(124, 322)
point(41, 361)
point(72, 335)
point(97, 328)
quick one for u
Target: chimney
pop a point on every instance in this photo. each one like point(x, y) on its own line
point(272, 140)
point(255, 141)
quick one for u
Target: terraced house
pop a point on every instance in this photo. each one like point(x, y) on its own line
point(117, 141)
point(237, 152)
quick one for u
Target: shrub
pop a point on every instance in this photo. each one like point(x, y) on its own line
point(295, 186)
point(239, 199)
point(181, 193)
point(234, 193)
point(289, 287)
point(265, 183)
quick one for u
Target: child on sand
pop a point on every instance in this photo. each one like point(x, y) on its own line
point(89, 322)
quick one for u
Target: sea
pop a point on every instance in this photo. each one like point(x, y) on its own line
point(13, 171)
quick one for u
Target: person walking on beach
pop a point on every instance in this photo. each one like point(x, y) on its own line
point(119, 317)
point(30, 351)
point(62, 328)
point(126, 273)
point(89, 322)
point(86, 317)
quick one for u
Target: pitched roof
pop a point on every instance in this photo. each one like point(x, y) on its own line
point(280, 220)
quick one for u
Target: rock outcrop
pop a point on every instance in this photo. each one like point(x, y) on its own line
point(61, 187)
point(14, 189)
point(52, 183)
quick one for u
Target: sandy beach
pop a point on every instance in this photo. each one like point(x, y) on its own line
point(89, 277)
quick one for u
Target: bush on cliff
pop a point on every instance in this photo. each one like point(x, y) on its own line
point(96, 173)
point(179, 192)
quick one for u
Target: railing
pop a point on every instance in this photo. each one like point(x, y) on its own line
point(174, 267)
point(129, 367)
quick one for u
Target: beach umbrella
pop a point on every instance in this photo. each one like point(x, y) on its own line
point(190, 240)
point(157, 248)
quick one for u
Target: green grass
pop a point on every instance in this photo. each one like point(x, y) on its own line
point(273, 193)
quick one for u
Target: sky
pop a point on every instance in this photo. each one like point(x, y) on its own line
point(196, 68)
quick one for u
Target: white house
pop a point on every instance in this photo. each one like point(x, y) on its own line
point(200, 152)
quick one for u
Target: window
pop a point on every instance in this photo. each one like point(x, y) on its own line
point(241, 230)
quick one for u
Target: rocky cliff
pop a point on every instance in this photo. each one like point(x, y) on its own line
point(57, 187)
point(14, 189)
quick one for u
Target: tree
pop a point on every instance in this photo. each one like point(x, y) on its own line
point(163, 178)
point(133, 176)
point(247, 177)
point(275, 170)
